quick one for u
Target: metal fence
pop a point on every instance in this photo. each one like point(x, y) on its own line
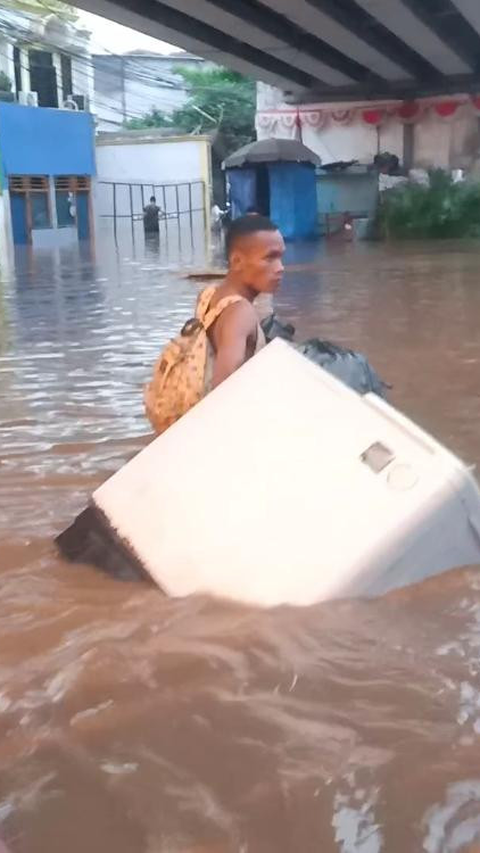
point(183, 218)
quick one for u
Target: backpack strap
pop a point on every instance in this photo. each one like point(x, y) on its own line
point(203, 302)
point(207, 315)
point(214, 313)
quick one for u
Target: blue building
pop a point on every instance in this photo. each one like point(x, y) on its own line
point(276, 177)
point(47, 163)
point(350, 192)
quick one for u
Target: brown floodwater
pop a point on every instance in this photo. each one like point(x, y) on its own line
point(135, 724)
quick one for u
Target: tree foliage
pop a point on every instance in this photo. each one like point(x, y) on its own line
point(154, 118)
point(443, 209)
point(43, 8)
point(218, 100)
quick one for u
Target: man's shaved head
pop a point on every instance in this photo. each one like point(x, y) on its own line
point(255, 250)
point(244, 227)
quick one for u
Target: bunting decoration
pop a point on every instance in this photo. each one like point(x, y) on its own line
point(342, 117)
point(313, 118)
point(446, 109)
point(266, 121)
point(407, 112)
point(374, 117)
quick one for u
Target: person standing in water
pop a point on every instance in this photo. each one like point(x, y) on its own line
point(264, 301)
point(151, 214)
point(225, 331)
point(254, 248)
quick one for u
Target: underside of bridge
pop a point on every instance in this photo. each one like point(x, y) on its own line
point(323, 50)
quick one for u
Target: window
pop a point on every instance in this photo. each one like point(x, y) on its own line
point(43, 78)
point(66, 188)
point(17, 64)
point(40, 210)
point(36, 191)
point(66, 210)
point(38, 197)
point(66, 67)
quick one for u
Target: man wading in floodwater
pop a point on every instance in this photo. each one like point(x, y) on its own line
point(255, 250)
point(225, 331)
point(151, 215)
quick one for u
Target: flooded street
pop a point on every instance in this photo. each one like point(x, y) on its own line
point(135, 724)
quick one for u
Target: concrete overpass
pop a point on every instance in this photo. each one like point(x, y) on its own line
point(322, 50)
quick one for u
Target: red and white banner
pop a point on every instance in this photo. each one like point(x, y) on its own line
point(267, 121)
point(313, 118)
point(342, 116)
point(375, 117)
point(446, 109)
point(407, 112)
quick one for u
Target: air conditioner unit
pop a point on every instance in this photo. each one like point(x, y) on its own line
point(28, 99)
point(82, 102)
point(70, 104)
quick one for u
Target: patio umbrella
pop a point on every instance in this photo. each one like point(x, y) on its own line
point(271, 151)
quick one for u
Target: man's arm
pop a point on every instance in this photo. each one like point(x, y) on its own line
point(230, 337)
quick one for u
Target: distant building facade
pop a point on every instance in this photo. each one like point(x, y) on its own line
point(429, 132)
point(47, 165)
point(47, 133)
point(130, 85)
point(47, 61)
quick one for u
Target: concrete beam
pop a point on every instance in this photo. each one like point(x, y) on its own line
point(417, 33)
point(167, 24)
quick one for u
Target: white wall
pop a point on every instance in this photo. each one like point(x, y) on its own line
point(447, 144)
point(332, 142)
point(159, 161)
point(6, 243)
point(175, 170)
point(437, 142)
point(356, 142)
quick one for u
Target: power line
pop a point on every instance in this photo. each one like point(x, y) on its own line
point(107, 105)
point(131, 113)
point(213, 51)
point(142, 73)
point(141, 76)
point(13, 32)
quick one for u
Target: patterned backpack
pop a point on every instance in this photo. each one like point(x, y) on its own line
point(178, 380)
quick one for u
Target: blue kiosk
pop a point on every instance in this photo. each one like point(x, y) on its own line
point(276, 177)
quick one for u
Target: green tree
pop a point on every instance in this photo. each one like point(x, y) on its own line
point(155, 118)
point(218, 100)
point(441, 210)
point(43, 8)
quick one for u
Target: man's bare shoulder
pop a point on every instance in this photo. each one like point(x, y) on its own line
point(238, 319)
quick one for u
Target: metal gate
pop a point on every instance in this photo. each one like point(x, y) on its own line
point(183, 218)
